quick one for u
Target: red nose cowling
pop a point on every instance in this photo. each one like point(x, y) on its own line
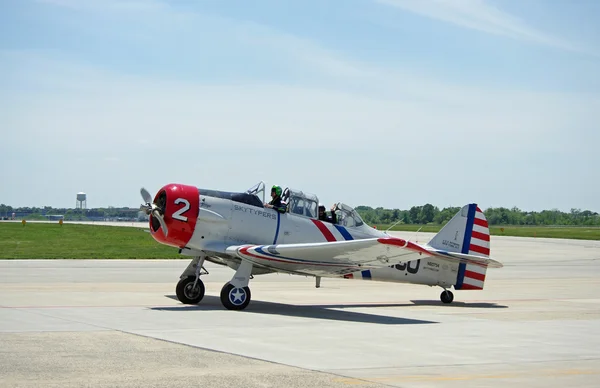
point(180, 206)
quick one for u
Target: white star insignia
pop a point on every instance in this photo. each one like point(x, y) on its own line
point(237, 295)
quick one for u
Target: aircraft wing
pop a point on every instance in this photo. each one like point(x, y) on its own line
point(340, 256)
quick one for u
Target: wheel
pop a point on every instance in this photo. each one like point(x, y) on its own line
point(186, 293)
point(235, 298)
point(447, 296)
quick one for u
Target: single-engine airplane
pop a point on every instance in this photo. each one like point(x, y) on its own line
point(237, 230)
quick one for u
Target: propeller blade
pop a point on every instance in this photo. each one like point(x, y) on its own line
point(146, 195)
point(157, 214)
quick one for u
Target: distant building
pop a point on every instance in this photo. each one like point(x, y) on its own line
point(55, 217)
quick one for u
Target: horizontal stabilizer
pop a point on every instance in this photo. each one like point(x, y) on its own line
point(466, 258)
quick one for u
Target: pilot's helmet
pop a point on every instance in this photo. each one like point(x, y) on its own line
point(276, 189)
point(321, 207)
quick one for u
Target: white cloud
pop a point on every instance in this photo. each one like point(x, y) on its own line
point(63, 100)
point(151, 22)
point(483, 16)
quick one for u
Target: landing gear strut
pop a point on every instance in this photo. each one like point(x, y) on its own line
point(446, 296)
point(190, 289)
point(235, 294)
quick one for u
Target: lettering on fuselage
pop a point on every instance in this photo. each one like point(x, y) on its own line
point(238, 240)
point(451, 244)
point(255, 212)
point(432, 266)
point(410, 267)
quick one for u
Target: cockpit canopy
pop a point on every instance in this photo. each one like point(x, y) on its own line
point(307, 205)
point(347, 216)
point(301, 203)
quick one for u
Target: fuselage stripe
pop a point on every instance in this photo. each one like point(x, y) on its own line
point(344, 232)
point(284, 259)
point(326, 232)
point(277, 230)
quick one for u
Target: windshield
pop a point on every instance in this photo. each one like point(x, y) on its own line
point(347, 216)
point(256, 189)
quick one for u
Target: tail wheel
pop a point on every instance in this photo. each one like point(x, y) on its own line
point(187, 293)
point(447, 296)
point(234, 298)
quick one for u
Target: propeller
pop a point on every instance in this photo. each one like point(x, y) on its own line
point(146, 195)
point(151, 208)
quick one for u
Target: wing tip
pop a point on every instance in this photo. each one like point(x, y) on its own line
point(402, 243)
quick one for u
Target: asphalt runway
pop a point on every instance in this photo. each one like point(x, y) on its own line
point(117, 323)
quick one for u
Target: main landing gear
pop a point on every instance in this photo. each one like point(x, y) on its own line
point(446, 296)
point(190, 289)
point(235, 294)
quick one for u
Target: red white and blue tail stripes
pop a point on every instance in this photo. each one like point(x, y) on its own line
point(470, 277)
point(480, 235)
point(476, 242)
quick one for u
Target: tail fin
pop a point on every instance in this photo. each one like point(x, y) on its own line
point(466, 233)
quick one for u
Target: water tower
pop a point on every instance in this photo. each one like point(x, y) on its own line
point(81, 201)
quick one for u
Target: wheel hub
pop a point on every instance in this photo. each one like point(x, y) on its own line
point(237, 296)
point(190, 291)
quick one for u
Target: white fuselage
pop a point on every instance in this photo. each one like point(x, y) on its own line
point(223, 222)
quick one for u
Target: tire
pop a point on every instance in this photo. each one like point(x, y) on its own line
point(184, 291)
point(235, 298)
point(446, 296)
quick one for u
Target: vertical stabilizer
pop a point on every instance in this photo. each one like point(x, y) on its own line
point(467, 233)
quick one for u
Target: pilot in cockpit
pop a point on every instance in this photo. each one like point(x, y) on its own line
point(276, 200)
point(323, 216)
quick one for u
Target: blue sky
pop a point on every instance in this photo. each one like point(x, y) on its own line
point(389, 103)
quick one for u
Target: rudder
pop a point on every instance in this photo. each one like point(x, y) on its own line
point(467, 233)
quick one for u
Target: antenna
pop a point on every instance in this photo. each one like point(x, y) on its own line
point(388, 229)
point(416, 233)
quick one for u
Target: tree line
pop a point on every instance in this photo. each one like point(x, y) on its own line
point(425, 214)
point(70, 214)
point(429, 214)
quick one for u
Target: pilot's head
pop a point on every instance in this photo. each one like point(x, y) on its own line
point(321, 210)
point(275, 191)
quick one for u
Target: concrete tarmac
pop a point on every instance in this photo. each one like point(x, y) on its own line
point(71, 323)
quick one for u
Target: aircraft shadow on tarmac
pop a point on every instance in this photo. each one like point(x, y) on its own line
point(317, 312)
point(476, 305)
point(321, 311)
point(479, 305)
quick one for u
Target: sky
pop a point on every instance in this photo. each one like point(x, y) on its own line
point(391, 103)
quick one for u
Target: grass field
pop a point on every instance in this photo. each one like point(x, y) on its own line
point(574, 232)
point(73, 241)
